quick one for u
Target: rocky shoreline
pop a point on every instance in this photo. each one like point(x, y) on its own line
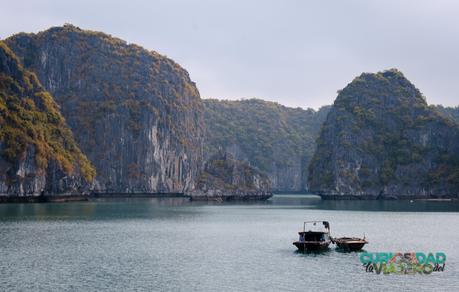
point(385, 198)
point(214, 197)
point(230, 197)
point(43, 199)
point(83, 198)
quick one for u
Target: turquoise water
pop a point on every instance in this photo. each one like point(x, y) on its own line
point(174, 245)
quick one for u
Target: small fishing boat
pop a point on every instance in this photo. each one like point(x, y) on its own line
point(350, 243)
point(314, 237)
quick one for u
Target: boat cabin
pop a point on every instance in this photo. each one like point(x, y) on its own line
point(315, 236)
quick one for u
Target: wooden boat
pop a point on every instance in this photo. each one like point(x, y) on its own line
point(350, 243)
point(314, 240)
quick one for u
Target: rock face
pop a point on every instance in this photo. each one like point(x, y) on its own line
point(225, 178)
point(38, 154)
point(275, 139)
point(382, 140)
point(135, 113)
point(451, 113)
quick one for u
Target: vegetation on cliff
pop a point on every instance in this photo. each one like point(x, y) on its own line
point(225, 178)
point(382, 139)
point(29, 117)
point(451, 113)
point(135, 113)
point(139, 118)
point(277, 140)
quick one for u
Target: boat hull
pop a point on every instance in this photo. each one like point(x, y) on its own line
point(350, 244)
point(311, 246)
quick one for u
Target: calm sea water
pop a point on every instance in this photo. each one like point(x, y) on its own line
point(174, 245)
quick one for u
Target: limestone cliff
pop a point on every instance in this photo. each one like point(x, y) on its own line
point(275, 139)
point(38, 154)
point(451, 113)
point(135, 113)
point(225, 178)
point(382, 140)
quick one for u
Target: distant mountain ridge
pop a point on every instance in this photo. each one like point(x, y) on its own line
point(275, 139)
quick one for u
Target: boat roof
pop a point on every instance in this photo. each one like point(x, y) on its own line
point(325, 225)
point(310, 231)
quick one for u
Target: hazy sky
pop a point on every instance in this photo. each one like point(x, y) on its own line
point(298, 53)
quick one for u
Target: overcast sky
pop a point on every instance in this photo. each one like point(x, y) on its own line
point(298, 53)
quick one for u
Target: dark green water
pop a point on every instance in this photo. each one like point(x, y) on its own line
point(174, 245)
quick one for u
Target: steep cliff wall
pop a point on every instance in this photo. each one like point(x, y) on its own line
point(135, 113)
point(381, 139)
point(275, 139)
point(225, 178)
point(38, 154)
